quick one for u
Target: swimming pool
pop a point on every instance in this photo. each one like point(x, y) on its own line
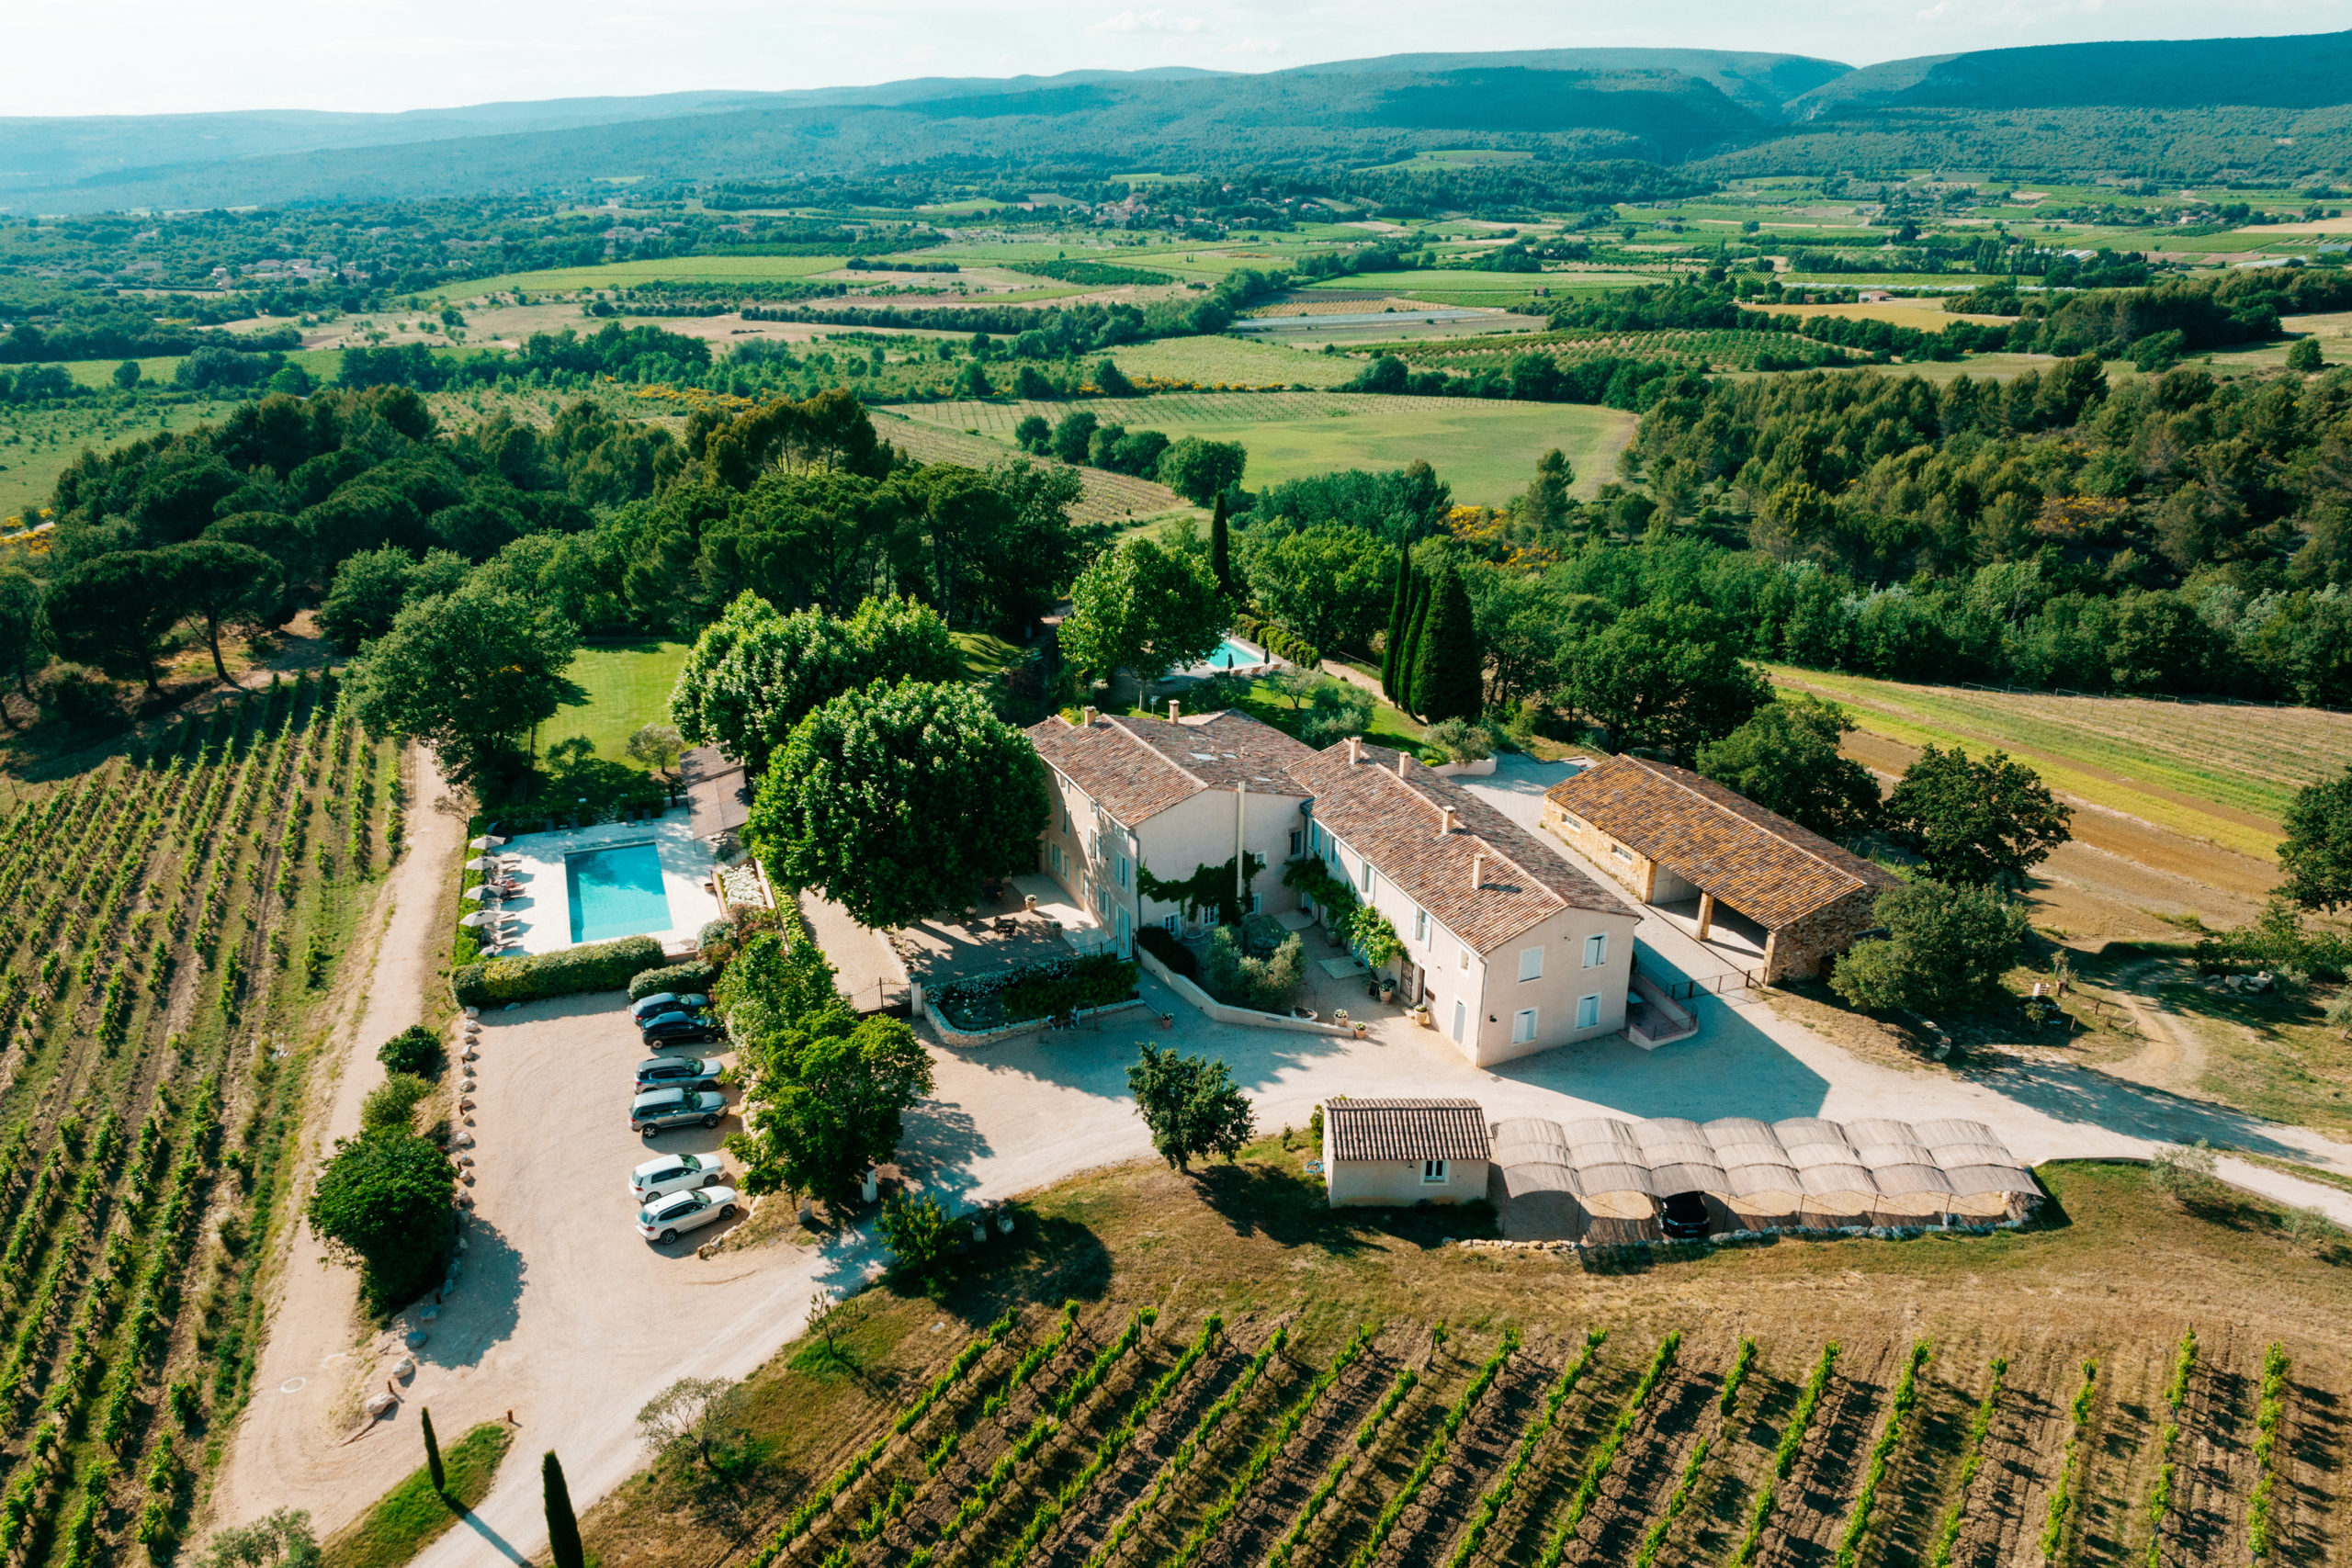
point(1232, 655)
point(616, 892)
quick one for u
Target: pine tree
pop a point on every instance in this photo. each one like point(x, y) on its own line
point(431, 1453)
point(563, 1530)
point(1398, 603)
point(1448, 676)
point(1220, 546)
point(1408, 657)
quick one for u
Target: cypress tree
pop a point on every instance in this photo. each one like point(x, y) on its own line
point(563, 1530)
point(1447, 678)
point(1408, 657)
point(1220, 546)
point(431, 1453)
point(1398, 603)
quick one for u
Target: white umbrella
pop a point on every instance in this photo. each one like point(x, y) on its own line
point(475, 893)
point(485, 842)
point(482, 862)
point(480, 917)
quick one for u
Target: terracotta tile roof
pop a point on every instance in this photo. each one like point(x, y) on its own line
point(1395, 821)
point(1757, 861)
point(1405, 1129)
point(1136, 767)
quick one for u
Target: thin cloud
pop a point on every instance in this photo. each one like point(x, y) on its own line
point(1146, 22)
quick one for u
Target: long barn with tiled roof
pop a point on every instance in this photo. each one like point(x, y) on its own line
point(1670, 835)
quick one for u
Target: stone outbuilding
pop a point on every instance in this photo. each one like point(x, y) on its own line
point(1672, 838)
point(1404, 1152)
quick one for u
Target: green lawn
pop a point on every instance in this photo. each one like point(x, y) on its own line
point(410, 1516)
point(1486, 450)
point(628, 686)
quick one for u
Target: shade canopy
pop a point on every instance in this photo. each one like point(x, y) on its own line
point(485, 842)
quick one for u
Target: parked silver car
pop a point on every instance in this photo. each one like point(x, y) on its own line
point(662, 1219)
point(666, 1174)
point(655, 1108)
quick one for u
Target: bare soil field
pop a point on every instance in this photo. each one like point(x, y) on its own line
point(1063, 1471)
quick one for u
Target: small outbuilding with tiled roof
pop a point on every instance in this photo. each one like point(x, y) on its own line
point(1393, 1152)
point(1671, 836)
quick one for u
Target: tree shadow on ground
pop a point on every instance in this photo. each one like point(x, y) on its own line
point(487, 1303)
point(1260, 1197)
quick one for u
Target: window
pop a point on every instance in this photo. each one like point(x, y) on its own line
point(1420, 925)
point(1367, 881)
point(1465, 958)
point(1588, 1012)
point(1462, 1014)
point(1123, 870)
point(1061, 866)
point(1531, 964)
point(1596, 951)
point(1293, 844)
point(1315, 840)
point(1253, 903)
point(1433, 1173)
point(1094, 844)
point(1065, 817)
point(1171, 923)
point(1523, 1027)
point(1622, 852)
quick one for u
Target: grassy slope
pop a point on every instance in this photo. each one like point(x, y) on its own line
point(1255, 1241)
point(1484, 450)
point(411, 1516)
point(2214, 771)
point(629, 685)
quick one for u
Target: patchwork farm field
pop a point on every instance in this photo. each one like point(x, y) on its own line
point(170, 931)
point(629, 274)
point(1486, 450)
point(1217, 1369)
point(1109, 497)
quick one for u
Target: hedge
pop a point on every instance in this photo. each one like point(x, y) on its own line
point(1038, 991)
point(1279, 641)
point(596, 966)
point(1161, 943)
point(693, 977)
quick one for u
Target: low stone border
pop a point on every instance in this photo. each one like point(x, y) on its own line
point(951, 1036)
point(1218, 1010)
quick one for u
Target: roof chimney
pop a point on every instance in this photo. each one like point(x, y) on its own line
point(1355, 749)
point(1444, 820)
point(1086, 716)
point(1174, 707)
point(1400, 764)
point(1477, 871)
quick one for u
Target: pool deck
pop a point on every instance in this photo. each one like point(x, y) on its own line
point(543, 911)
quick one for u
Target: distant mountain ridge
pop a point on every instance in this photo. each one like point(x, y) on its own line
point(2183, 107)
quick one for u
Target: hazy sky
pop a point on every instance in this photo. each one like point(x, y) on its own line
point(149, 56)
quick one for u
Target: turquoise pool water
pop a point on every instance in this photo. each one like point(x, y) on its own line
point(1232, 655)
point(616, 892)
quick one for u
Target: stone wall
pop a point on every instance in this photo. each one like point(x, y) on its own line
point(1802, 949)
point(1621, 864)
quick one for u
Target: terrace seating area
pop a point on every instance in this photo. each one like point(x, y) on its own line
point(1008, 925)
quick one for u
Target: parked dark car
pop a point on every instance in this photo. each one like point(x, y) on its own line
point(678, 1072)
point(1683, 1217)
point(660, 1002)
point(663, 1030)
point(657, 1107)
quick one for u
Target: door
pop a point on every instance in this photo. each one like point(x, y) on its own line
point(1126, 936)
point(1461, 1017)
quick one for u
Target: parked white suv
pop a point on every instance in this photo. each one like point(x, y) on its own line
point(662, 1219)
point(674, 1173)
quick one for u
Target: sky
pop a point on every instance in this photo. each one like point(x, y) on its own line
point(176, 56)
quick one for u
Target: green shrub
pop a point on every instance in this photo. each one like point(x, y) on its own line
point(1161, 943)
point(414, 1050)
point(1238, 979)
point(393, 1102)
point(596, 966)
point(693, 977)
point(1038, 991)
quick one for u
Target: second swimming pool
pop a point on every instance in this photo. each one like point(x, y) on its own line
point(616, 892)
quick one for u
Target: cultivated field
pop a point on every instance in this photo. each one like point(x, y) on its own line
point(1486, 450)
point(36, 444)
point(1233, 362)
point(1110, 498)
point(629, 274)
point(171, 932)
point(2220, 772)
point(1242, 1377)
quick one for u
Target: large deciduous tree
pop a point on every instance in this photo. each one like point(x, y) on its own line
point(1201, 470)
point(830, 1102)
point(1328, 583)
point(1976, 823)
point(467, 674)
point(2317, 853)
point(897, 802)
point(1667, 678)
point(384, 1200)
point(24, 638)
point(1192, 1106)
point(1785, 759)
point(1945, 945)
point(114, 610)
point(1145, 608)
